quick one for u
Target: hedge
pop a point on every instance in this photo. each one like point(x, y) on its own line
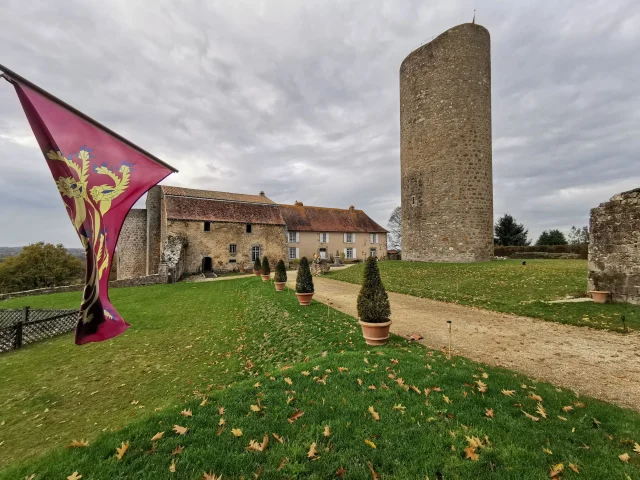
point(580, 249)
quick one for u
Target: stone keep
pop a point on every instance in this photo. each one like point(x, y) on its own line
point(614, 247)
point(445, 148)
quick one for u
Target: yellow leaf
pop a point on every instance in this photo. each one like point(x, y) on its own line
point(288, 381)
point(636, 447)
point(482, 387)
point(258, 447)
point(531, 417)
point(180, 430)
point(122, 450)
point(399, 408)
point(343, 369)
point(255, 408)
point(222, 421)
point(508, 393)
point(220, 410)
point(535, 397)
point(374, 475)
point(489, 412)
point(374, 414)
point(172, 467)
point(370, 443)
point(211, 476)
point(178, 450)
point(278, 438)
point(446, 399)
point(306, 373)
point(562, 418)
point(157, 436)
point(257, 385)
point(547, 451)
point(78, 444)
point(312, 451)
point(470, 453)
point(237, 432)
point(282, 462)
point(416, 389)
point(359, 381)
point(372, 387)
point(74, 476)
point(204, 401)
point(186, 413)
point(574, 467)
point(624, 457)
point(568, 408)
point(556, 470)
point(541, 411)
point(327, 431)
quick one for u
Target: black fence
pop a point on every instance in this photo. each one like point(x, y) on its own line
point(20, 327)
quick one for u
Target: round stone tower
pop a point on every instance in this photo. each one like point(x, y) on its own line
point(445, 148)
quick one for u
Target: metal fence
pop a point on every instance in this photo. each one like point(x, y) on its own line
point(20, 327)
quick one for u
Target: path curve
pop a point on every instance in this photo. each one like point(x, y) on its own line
point(592, 362)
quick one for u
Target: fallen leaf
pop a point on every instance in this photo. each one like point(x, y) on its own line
point(204, 401)
point(374, 414)
point(74, 476)
point(78, 444)
point(394, 361)
point(562, 418)
point(556, 470)
point(541, 411)
point(120, 451)
point(288, 381)
point(446, 399)
point(172, 467)
point(312, 451)
point(157, 436)
point(574, 467)
point(624, 457)
point(306, 373)
point(340, 472)
point(327, 431)
point(416, 389)
point(489, 412)
point(255, 408)
point(220, 410)
point(374, 475)
point(508, 393)
point(180, 430)
point(359, 381)
point(547, 451)
point(470, 453)
point(371, 387)
point(535, 397)
point(211, 476)
point(636, 447)
point(568, 408)
point(258, 447)
point(278, 438)
point(257, 385)
point(399, 408)
point(482, 387)
point(178, 450)
point(282, 462)
point(528, 415)
point(222, 422)
point(370, 443)
point(186, 413)
point(237, 432)
point(296, 415)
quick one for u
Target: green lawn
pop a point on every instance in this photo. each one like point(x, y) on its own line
point(236, 343)
point(505, 286)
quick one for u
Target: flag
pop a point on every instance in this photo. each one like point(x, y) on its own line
point(100, 176)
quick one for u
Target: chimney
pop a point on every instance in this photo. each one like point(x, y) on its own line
point(351, 208)
point(299, 204)
point(261, 193)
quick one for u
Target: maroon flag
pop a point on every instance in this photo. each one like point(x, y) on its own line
point(100, 176)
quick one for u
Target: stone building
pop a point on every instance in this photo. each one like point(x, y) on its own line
point(332, 232)
point(201, 231)
point(614, 247)
point(445, 148)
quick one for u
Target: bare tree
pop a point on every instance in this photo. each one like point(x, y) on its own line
point(395, 229)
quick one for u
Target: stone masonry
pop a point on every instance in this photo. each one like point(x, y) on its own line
point(614, 247)
point(445, 148)
point(132, 245)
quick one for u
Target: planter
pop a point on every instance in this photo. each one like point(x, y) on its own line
point(266, 278)
point(279, 286)
point(304, 298)
point(375, 333)
point(600, 296)
point(257, 273)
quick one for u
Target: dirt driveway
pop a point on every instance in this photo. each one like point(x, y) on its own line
point(598, 363)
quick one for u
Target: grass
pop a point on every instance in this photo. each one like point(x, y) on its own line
point(234, 344)
point(505, 286)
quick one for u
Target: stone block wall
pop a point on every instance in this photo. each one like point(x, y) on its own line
point(445, 148)
point(154, 232)
point(614, 247)
point(132, 245)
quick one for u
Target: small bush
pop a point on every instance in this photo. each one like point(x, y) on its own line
point(304, 280)
point(373, 301)
point(281, 272)
point(581, 249)
point(257, 266)
point(266, 269)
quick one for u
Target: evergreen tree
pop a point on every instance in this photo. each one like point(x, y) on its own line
point(552, 237)
point(257, 266)
point(508, 232)
point(281, 272)
point(266, 269)
point(373, 301)
point(304, 280)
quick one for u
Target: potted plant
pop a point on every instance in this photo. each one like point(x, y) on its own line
point(373, 306)
point(600, 296)
point(304, 283)
point(281, 276)
point(257, 267)
point(266, 269)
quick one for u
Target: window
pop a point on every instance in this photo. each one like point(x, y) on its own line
point(348, 252)
point(248, 228)
point(232, 260)
point(207, 226)
point(255, 253)
point(373, 238)
point(293, 253)
point(233, 248)
point(413, 200)
point(293, 237)
point(324, 238)
point(349, 238)
point(372, 252)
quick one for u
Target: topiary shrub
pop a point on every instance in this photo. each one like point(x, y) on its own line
point(266, 269)
point(281, 272)
point(304, 280)
point(257, 266)
point(373, 301)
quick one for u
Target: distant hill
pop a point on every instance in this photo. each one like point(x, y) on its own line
point(12, 251)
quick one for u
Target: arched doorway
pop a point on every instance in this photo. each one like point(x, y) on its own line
point(207, 265)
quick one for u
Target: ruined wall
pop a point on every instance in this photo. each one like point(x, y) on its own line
point(132, 245)
point(445, 148)
point(215, 243)
point(154, 233)
point(614, 247)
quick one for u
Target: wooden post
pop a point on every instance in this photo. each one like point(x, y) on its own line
point(19, 328)
point(449, 323)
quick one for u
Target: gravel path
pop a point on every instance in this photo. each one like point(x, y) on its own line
point(597, 363)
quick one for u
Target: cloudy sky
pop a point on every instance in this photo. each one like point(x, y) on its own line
point(300, 99)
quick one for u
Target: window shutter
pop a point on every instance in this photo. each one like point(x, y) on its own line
point(344, 235)
point(345, 253)
point(327, 234)
point(297, 252)
point(353, 237)
point(297, 237)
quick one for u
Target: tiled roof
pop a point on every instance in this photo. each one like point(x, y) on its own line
point(212, 195)
point(203, 209)
point(319, 219)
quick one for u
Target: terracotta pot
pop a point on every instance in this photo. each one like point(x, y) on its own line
point(279, 286)
point(266, 278)
point(304, 298)
point(599, 296)
point(257, 273)
point(375, 333)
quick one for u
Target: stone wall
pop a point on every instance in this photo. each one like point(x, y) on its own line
point(445, 148)
point(154, 233)
point(132, 245)
point(215, 244)
point(614, 247)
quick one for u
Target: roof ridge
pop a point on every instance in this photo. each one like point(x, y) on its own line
point(324, 208)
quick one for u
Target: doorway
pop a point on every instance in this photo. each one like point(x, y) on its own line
point(323, 253)
point(207, 265)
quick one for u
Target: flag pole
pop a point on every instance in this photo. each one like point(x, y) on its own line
point(12, 77)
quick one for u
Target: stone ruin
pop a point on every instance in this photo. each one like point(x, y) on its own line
point(614, 247)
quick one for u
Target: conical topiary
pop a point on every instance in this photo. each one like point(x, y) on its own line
point(257, 266)
point(266, 269)
point(281, 272)
point(373, 301)
point(304, 280)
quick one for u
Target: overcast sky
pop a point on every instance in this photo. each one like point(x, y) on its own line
point(300, 98)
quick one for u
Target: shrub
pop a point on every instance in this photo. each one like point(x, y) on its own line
point(373, 301)
point(581, 249)
point(281, 272)
point(257, 266)
point(266, 269)
point(304, 280)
